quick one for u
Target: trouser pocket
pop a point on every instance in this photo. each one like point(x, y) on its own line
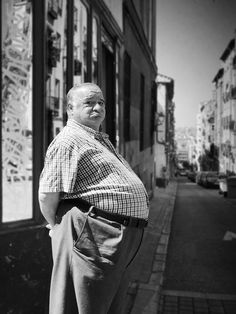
point(98, 239)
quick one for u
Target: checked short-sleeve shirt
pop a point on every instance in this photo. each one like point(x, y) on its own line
point(82, 163)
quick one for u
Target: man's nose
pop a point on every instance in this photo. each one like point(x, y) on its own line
point(98, 106)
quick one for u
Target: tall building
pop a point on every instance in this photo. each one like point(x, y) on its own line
point(186, 145)
point(225, 91)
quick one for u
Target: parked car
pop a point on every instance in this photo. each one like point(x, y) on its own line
point(222, 180)
point(211, 180)
point(182, 172)
point(197, 178)
point(192, 175)
point(200, 177)
point(203, 177)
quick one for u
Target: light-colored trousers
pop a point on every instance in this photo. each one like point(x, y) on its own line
point(91, 263)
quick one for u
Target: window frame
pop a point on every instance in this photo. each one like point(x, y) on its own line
point(38, 143)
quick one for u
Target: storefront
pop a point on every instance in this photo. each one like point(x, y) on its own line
point(46, 47)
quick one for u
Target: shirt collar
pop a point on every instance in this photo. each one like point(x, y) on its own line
point(95, 134)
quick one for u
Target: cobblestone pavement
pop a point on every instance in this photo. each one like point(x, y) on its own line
point(180, 302)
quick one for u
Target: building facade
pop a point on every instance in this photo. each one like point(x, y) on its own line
point(165, 147)
point(216, 120)
point(225, 90)
point(46, 47)
point(186, 146)
point(206, 132)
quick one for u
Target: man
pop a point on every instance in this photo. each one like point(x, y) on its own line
point(97, 209)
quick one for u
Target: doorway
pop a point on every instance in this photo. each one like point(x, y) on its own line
point(108, 88)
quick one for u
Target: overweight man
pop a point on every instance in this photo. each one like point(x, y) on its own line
point(96, 208)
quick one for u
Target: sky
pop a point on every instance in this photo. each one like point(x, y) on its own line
point(191, 37)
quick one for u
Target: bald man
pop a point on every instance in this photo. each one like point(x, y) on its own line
point(96, 207)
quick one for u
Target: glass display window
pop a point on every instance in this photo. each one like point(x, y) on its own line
point(16, 102)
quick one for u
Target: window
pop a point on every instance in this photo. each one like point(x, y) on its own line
point(153, 110)
point(53, 8)
point(57, 98)
point(80, 42)
point(56, 73)
point(127, 95)
point(142, 101)
point(117, 100)
point(17, 121)
point(58, 45)
point(60, 6)
point(75, 19)
point(95, 51)
point(150, 28)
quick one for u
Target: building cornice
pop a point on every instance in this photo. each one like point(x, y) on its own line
point(228, 50)
point(109, 21)
point(218, 76)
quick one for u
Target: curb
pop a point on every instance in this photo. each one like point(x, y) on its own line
point(144, 292)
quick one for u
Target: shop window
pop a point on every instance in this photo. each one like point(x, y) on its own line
point(16, 149)
point(54, 48)
point(95, 51)
point(56, 72)
point(80, 42)
point(75, 19)
point(58, 45)
point(117, 100)
point(53, 8)
point(55, 100)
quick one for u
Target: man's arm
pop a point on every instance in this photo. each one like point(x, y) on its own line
point(48, 203)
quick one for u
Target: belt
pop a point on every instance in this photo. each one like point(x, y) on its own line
point(66, 204)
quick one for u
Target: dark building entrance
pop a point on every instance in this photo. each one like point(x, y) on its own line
point(108, 86)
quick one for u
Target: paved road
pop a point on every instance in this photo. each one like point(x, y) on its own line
point(199, 260)
point(201, 265)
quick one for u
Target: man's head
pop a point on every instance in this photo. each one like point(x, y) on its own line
point(86, 105)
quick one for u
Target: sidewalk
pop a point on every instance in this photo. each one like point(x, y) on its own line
point(148, 269)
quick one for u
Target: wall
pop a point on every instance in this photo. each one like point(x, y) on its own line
point(25, 263)
point(141, 161)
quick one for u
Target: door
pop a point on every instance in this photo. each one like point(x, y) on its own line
point(108, 88)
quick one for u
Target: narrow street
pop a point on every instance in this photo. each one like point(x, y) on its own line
point(201, 261)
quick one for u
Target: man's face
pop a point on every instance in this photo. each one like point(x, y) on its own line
point(89, 106)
